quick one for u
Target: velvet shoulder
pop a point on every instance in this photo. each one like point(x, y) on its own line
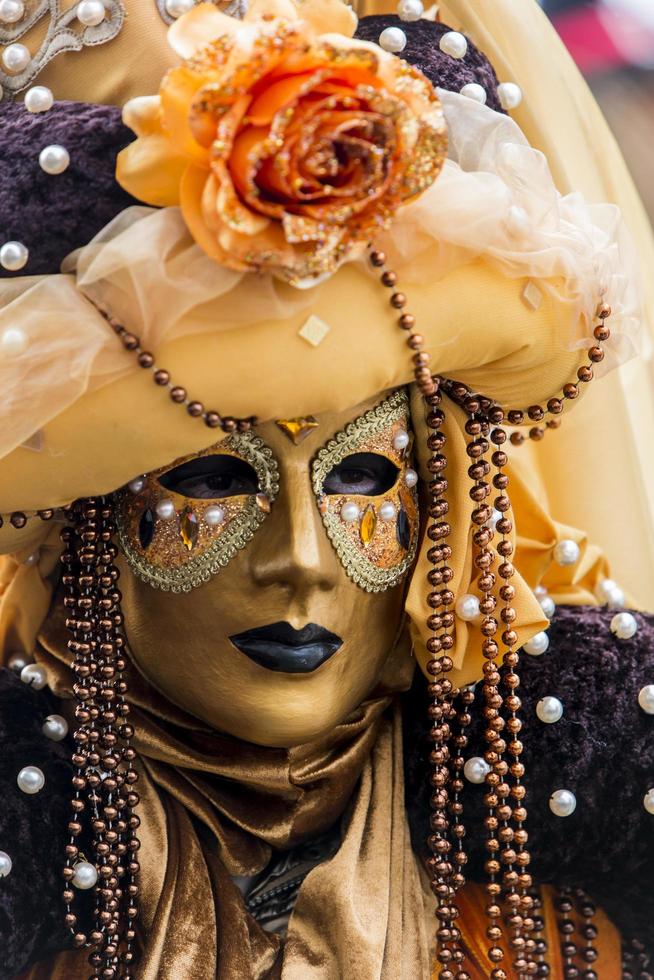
point(602, 750)
point(32, 828)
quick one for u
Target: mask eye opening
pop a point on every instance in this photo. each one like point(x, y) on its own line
point(362, 474)
point(212, 477)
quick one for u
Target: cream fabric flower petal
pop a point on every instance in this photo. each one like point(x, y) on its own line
point(329, 16)
point(202, 24)
point(143, 115)
point(150, 171)
point(285, 9)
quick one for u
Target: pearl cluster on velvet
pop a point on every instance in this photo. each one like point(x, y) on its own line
point(53, 160)
point(31, 780)
point(455, 45)
point(550, 709)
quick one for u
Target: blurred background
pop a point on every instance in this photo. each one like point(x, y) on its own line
point(612, 41)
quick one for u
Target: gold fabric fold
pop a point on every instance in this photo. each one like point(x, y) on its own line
point(213, 807)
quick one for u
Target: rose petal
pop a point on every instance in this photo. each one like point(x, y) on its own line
point(329, 16)
point(192, 188)
point(239, 163)
point(198, 27)
point(143, 115)
point(234, 214)
point(178, 90)
point(275, 97)
point(151, 171)
point(285, 9)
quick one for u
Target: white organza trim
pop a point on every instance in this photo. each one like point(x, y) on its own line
point(495, 199)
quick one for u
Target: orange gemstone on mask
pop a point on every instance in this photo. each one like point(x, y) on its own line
point(368, 525)
point(263, 503)
point(297, 430)
point(188, 528)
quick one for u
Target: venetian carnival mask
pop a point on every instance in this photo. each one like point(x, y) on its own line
point(300, 535)
point(184, 523)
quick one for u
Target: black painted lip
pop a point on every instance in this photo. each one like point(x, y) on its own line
point(281, 648)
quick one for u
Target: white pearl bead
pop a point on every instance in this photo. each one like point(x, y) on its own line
point(538, 645)
point(604, 589)
point(540, 592)
point(563, 803)
point(86, 875)
point(646, 699)
point(388, 511)
point(624, 626)
point(31, 780)
point(350, 513)
point(54, 159)
point(165, 509)
point(11, 11)
point(32, 559)
point(393, 39)
point(454, 44)
point(34, 675)
point(474, 91)
point(401, 440)
point(411, 478)
point(13, 256)
point(175, 8)
point(648, 802)
point(510, 95)
point(55, 727)
point(6, 864)
point(90, 12)
point(476, 770)
point(13, 342)
point(410, 10)
point(567, 553)
point(137, 485)
point(548, 606)
point(17, 662)
point(549, 710)
point(16, 58)
point(215, 515)
point(39, 99)
point(467, 608)
point(616, 599)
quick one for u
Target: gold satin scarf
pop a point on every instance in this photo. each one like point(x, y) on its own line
point(212, 807)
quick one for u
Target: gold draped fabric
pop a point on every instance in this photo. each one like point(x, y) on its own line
point(213, 807)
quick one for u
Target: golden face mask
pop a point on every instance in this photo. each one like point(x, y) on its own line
point(374, 530)
point(180, 525)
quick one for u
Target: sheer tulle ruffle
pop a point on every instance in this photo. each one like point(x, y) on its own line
point(496, 199)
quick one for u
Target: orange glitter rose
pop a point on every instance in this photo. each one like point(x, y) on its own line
point(286, 147)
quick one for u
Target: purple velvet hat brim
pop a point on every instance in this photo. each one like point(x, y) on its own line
point(53, 215)
point(422, 50)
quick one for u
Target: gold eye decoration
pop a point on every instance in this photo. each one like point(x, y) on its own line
point(366, 491)
point(180, 525)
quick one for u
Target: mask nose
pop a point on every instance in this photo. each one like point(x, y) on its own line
point(292, 549)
